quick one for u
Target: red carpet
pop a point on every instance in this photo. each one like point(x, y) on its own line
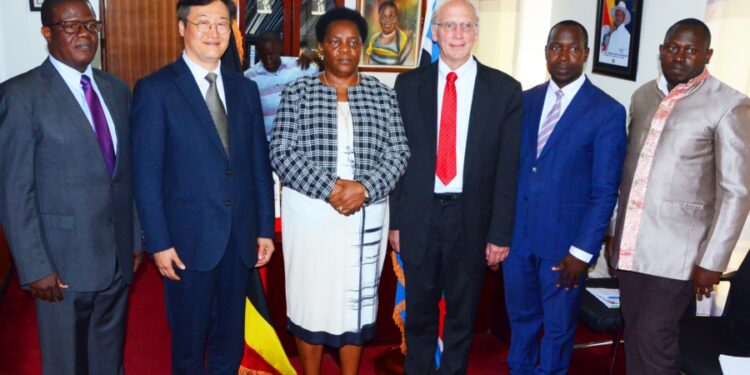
point(147, 345)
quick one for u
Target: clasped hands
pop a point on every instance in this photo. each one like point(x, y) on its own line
point(347, 197)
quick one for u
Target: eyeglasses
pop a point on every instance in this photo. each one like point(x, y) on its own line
point(204, 26)
point(74, 27)
point(453, 26)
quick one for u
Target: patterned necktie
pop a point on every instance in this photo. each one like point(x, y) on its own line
point(446, 155)
point(549, 123)
point(218, 114)
point(101, 129)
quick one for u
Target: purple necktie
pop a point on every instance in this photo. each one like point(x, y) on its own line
point(100, 123)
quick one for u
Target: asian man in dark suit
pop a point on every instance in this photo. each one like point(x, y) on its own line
point(452, 211)
point(203, 188)
point(572, 149)
point(66, 201)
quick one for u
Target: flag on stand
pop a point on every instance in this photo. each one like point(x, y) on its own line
point(399, 309)
point(264, 354)
point(430, 51)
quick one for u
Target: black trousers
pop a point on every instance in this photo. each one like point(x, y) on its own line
point(652, 307)
point(443, 271)
point(85, 332)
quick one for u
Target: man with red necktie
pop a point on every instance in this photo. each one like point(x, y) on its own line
point(452, 211)
point(66, 201)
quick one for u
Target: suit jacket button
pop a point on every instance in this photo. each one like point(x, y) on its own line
point(229, 172)
point(533, 169)
point(227, 203)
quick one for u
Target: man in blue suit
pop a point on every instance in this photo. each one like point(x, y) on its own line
point(203, 189)
point(572, 149)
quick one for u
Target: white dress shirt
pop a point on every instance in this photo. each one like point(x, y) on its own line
point(199, 73)
point(467, 74)
point(72, 78)
point(663, 85)
point(569, 92)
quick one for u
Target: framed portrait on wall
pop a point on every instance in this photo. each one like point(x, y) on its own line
point(35, 5)
point(393, 35)
point(618, 29)
point(265, 6)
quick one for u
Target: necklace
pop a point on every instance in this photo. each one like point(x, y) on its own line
point(384, 35)
point(325, 80)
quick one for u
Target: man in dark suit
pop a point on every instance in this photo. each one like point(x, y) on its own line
point(203, 189)
point(452, 211)
point(572, 148)
point(66, 201)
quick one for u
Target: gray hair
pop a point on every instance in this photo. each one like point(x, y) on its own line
point(442, 3)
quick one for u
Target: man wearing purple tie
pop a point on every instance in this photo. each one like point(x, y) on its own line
point(66, 202)
point(572, 148)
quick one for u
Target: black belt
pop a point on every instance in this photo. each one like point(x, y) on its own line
point(446, 196)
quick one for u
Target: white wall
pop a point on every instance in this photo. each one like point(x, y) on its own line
point(656, 18)
point(22, 46)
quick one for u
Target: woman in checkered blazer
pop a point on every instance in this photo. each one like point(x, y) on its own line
point(339, 147)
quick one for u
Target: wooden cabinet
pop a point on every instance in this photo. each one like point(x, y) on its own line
point(294, 19)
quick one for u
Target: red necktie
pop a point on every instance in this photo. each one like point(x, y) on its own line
point(446, 154)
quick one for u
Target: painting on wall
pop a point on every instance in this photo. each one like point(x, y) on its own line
point(618, 29)
point(35, 5)
point(393, 35)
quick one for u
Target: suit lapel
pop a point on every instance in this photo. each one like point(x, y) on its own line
point(575, 110)
point(115, 111)
point(192, 93)
point(535, 115)
point(428, 95)
point(67, 103)
point(480, 104)
point(232, 92)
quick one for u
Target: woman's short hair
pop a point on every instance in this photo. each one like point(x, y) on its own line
point(387, 4)
point(340, 14)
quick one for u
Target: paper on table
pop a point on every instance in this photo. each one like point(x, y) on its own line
point(609, 297)
point(714, 305)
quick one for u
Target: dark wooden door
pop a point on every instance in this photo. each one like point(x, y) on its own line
point(139, 37)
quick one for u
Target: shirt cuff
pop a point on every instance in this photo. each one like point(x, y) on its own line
point(580, 254)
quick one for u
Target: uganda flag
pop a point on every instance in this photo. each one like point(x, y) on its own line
point(264, 354)
point(606, 18)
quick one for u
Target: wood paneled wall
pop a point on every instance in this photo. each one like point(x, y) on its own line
point(139, 37)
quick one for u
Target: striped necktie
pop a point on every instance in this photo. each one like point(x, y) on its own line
point(549, 123)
